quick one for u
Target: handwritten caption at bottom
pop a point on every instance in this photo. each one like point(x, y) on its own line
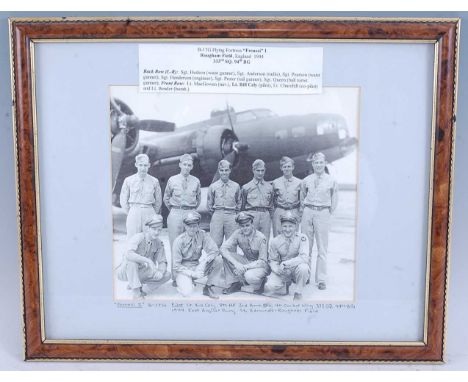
point(235, 308)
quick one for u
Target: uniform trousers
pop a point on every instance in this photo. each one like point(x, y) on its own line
point(137, 275)
point(316, 224)
point(277, 216)
point(175, 226)
point(222, 225)
point(138, 215)
point(262, 222)
point(298, 274)
point(185, 283)
point(225, 269)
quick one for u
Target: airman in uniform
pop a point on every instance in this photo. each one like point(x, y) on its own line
point(289, 258)
point(182, 195)
point(257, 199)
point(140, 196)
point(319, 198)
point(286, 194)
point(251, 266)
point(193, 254)
point(145, 261)
point(223, 202)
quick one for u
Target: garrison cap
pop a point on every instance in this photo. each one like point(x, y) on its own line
point(141, 158)
point(224, 163)
point(185, 157)
point(285, 160)
point(243, 217)
point(288, 217)
point(258, 163)
point(156, 220)
point(318, 155)
point(193, 217)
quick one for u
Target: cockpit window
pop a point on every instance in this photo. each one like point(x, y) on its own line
point(252, 115)
point(245, 116)
point(263, 113)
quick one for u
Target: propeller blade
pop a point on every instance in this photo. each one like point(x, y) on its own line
point(215, 177)
point(231, 157)
point(228, 110)
point(115, 106)
point(118, 150)
point(155, 125)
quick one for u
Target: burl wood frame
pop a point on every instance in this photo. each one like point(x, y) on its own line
point(443, 33)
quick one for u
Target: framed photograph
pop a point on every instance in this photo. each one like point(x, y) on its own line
point(234, 189)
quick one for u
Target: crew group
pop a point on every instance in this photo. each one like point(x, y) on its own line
point(241, 218)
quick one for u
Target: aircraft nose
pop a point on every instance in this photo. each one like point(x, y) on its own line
point(326, 124)
point(343, 132)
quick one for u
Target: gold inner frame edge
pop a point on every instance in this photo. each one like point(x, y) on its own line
point(360, 343)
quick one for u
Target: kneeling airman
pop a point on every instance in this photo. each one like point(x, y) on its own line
point(193, 255)
point(288, 258)
point(251, 266)
point(145, 261)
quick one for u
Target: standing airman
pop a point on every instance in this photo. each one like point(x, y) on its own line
point(257, 199)
point(182, 194)
point(288, 258)
point(319, 198)
point(223, 202)
point(286, 195)
point(140, 196)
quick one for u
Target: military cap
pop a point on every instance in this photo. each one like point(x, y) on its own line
point(243, 217)
point(288, 217)
point(185, 157)
point(258, 163)
point(285, 160)
point(156, 220)
point(318, 155)
point(224, 163)
point(141, 158)
point(192, 217)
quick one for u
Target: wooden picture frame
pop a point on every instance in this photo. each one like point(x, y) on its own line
point(443, 34)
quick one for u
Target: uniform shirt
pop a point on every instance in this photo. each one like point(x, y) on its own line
point(143, 245)
point(189, 248)
point(254, 246)
point(284, 249)
point(182, 191)
point(320, 191)
point(224, 195)
point(136, 190)
point(257, 193)
point(286, 192)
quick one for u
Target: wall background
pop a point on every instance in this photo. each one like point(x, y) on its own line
point(11, 341)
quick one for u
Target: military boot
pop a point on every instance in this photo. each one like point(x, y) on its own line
point(297, 296)
point(207, 291)
point(234, 287)
point(261, 288)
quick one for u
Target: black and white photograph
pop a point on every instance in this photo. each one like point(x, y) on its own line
point(234, 196)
